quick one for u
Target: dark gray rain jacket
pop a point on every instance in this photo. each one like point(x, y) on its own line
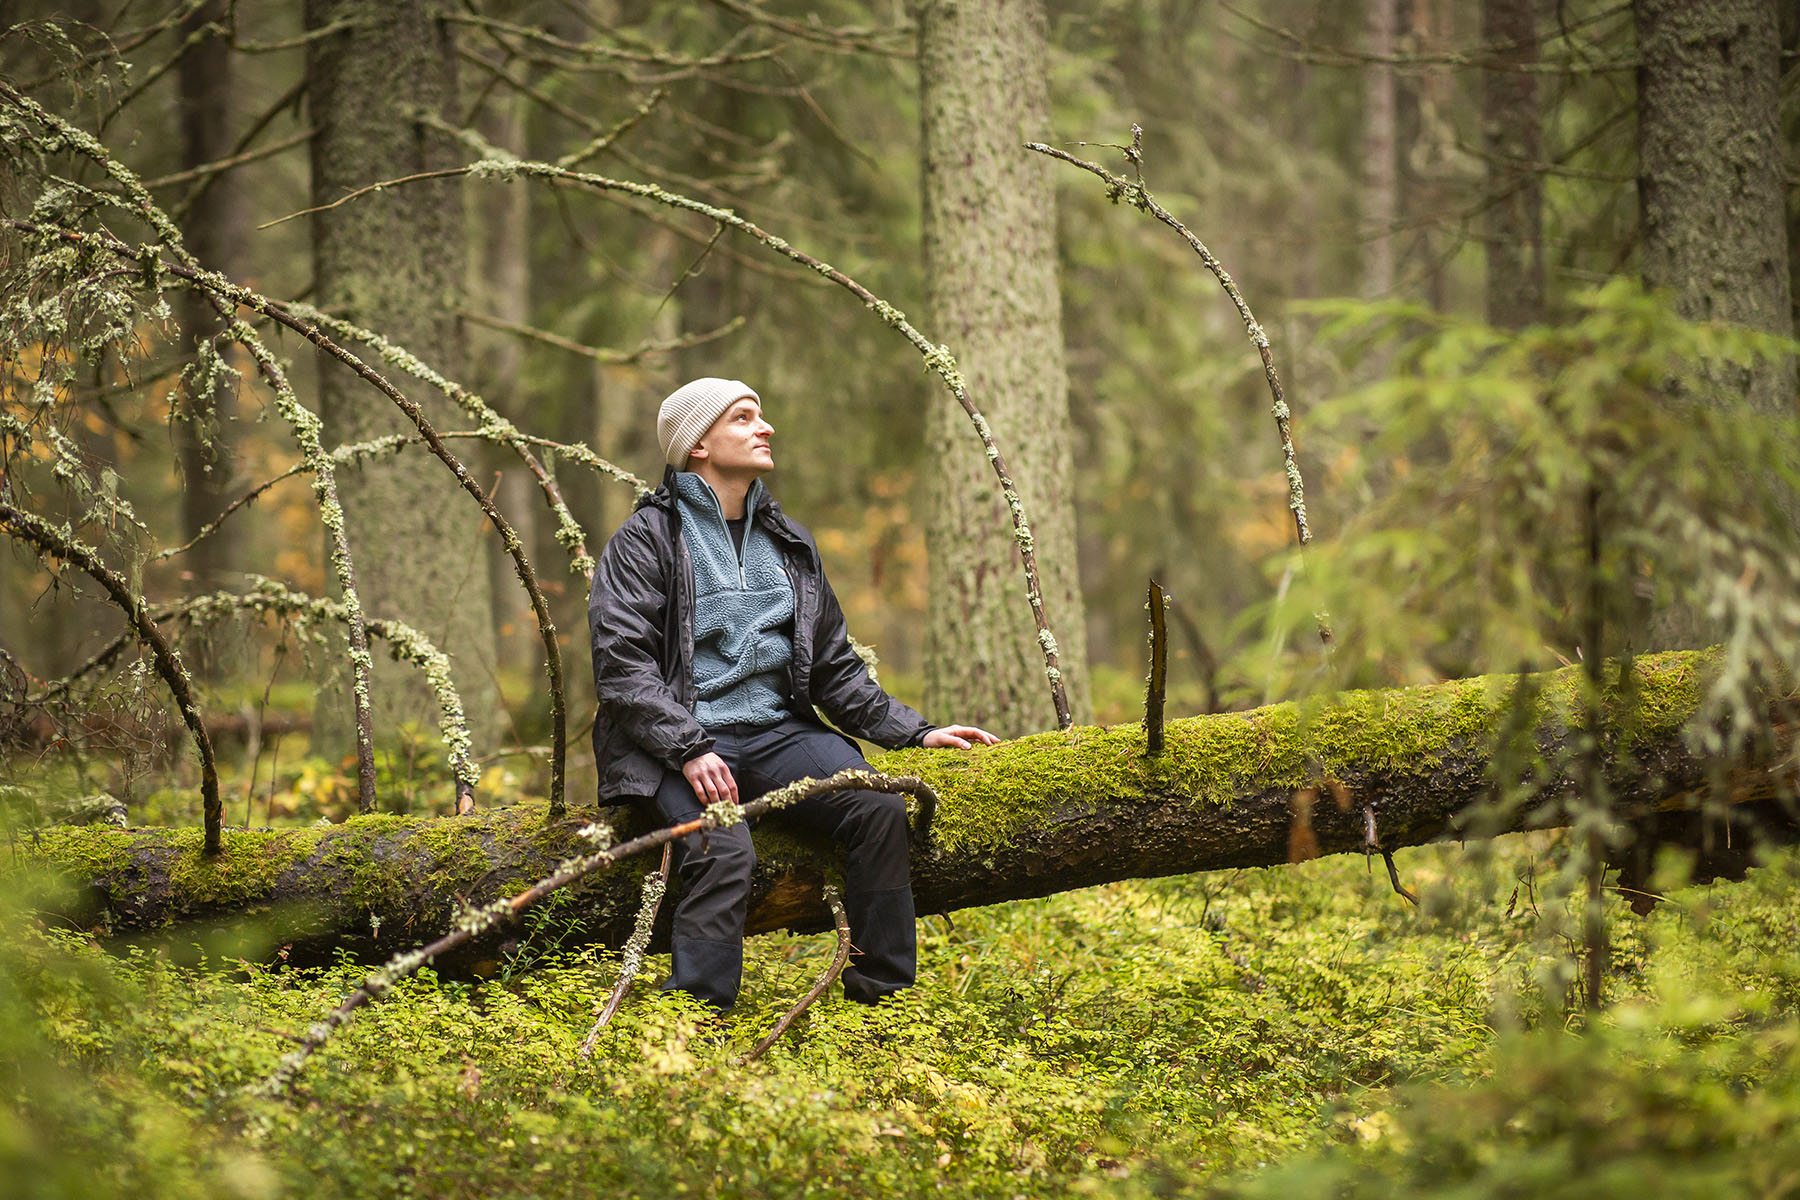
point(641, 626)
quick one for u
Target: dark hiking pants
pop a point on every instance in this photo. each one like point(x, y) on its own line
point(714, 868)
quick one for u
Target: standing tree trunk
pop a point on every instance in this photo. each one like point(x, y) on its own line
point(1712, 170)
point(1512, 137)
point(1712, 194)
point(1380, 150)
point(992, 292)
point(1790, 136)
point(214, 229)
point(394, 261)
point(499, 284)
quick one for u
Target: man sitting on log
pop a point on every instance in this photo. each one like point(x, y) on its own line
point(715, 636)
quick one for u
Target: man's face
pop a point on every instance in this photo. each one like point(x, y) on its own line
point(738, 442)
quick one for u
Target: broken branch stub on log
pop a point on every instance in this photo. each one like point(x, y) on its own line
point(1156, 687)
point(1026, 818)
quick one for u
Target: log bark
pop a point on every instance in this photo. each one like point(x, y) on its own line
point(1027, 818)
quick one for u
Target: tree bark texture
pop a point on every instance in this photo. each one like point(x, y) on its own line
point(993, 298)
point(499, 284)
point(1790, 137)
point(214, 228)
point(1712, 170)
point(1512, 138)
point(394, 261)
point(1043, 814)
point(1712, 196)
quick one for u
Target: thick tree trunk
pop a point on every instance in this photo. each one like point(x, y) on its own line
point(394, 261)
point(1712, 170)
point(1028, 818)
point(1712, 192)
point(214, 229)
point(1511, 136)
point(991, 266)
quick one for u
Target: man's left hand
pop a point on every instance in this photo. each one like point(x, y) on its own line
point(958, 737)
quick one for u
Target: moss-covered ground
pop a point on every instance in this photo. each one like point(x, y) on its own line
point(1281, 1032)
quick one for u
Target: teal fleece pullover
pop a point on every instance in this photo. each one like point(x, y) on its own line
point(743, 612)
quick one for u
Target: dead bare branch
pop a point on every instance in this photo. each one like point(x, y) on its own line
point(839, 957)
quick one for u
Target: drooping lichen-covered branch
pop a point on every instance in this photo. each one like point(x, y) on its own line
point(231, 295)
point(1026, 818)
point(49, 540)
point(1139, 197)
point(304, 423)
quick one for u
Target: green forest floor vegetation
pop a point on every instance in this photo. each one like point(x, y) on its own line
point(1288, 1031)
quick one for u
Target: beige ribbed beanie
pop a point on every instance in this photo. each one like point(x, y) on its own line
point(690, 411)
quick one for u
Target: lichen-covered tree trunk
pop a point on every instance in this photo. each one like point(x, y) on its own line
point(992, 295)
point(1027, 818)
point(1511, 134)
point(214, 229)
point(1712, 190)
point(394, 261)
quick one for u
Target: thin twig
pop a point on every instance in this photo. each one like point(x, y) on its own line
point(656, 884)
point(1372, 845)
point(844, 41)
point(605, 140)
point(124, 44)
point(300, 40)
point(1487, 59)
point(197, 35)
point(838, 959)
point(394, 442)
point(601, 354)
point(447, 173)
point(205, 170)
point(569, 532)
point(289, 99)
point(270, 597)
point(593, 50)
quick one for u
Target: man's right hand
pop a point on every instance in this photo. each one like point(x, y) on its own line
point(710, 778)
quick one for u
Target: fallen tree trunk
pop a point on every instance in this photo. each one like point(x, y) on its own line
point(1026, 818)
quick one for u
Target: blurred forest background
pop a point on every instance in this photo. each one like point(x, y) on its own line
point(1476, 160)
point(1527, 270)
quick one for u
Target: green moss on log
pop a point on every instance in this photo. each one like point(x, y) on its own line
point(990, 796)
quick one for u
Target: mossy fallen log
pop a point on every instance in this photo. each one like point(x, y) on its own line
point(1025, 818)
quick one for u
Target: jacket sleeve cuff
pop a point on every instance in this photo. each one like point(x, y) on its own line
point(689, 753)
